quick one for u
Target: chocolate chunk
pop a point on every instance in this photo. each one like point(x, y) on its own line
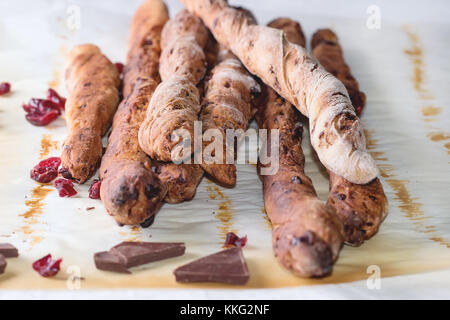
point(147, 223)
point(109, 262)
point(2, 264)
point(227, 266)
point(134, 254)
point(8, 250)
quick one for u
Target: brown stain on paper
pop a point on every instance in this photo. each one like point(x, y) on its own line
point(135, 234)
point(56, 79)
point(410, 206)
point(131, 233)
point(429, 112)
point(225, 211)
point(266, 218)
point(47, 144)
point(35, 202)
point(415, 53)
point(35, 209)
point(438, 136)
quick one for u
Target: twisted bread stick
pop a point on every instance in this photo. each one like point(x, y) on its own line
point(336, 133)
point(361, 208)
point(182, 179)
point(306, 235)
point(130, 190)
point(93, 82)
point(175, 104)
point(227, 105)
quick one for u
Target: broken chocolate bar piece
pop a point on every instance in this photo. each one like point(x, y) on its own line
point(134, 254)
point(2, 264)
point(227, 266)
point(109, 262)
point(8, 250)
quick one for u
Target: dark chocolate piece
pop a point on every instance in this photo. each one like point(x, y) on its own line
point(227, 266)
point(133, 254)
point(109, 262)
point(147, 223)
point(2, 264)
point(8, 250)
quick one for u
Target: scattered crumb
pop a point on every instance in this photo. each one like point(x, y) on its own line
point(90, 208)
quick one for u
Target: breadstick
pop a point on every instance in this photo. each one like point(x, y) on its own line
point(306, 234)
point(181, 180)
point(335, 130)
point(227, 105)
point(130, 190)
point(175, 104)
point(93, 82)
point(361, 208)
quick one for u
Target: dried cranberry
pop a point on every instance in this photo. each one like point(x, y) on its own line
point(41, 112)
point(234, 240)
point(46, 170)
point(5, 87)
point(119, 67)
point(47, 267)
point(65, 172)
point(42, 119)
point(65, 187)
point(40, 106)
point(94, 190)
point(54, 97)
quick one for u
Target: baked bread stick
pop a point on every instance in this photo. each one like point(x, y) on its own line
point(227, 104)
point(93, 85)
point(181, 180)
point(306, 235)
point(335, 130)
point(361, 208)
point(131, 192)
point(176, 102)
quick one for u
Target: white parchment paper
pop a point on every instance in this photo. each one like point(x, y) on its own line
point(403, 68)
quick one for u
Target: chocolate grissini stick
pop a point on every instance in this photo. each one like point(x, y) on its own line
point(307, 235)
point(361, 207)
point(131, 192)
point(182, 179)
point(93, 85)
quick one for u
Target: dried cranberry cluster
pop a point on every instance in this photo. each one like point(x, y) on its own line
point(47, 170)
point(41, 112)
